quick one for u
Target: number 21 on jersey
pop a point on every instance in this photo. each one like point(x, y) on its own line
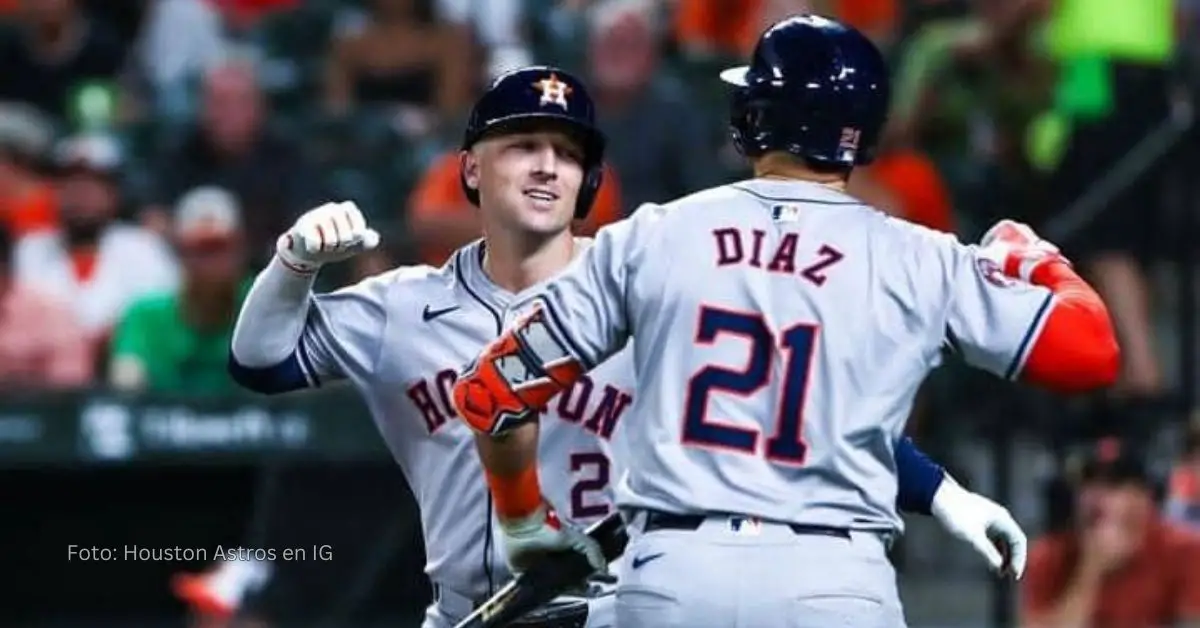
point(786, 444)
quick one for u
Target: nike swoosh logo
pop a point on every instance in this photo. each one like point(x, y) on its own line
point(429, 314)
point(642, 560)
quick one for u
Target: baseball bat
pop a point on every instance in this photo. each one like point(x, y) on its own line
point(548, 578)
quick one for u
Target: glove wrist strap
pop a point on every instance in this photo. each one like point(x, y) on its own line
point(293, 263)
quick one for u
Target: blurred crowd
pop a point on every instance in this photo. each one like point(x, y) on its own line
point(152, 150)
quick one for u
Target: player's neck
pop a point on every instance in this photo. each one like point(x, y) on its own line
point(515, 263)
point(784, 167)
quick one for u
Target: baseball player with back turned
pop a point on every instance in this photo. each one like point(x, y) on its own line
point(531, 161)
point(780, 330)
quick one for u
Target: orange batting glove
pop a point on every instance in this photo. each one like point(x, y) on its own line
point(514, 378)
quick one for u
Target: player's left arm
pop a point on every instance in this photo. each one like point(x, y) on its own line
point(1018, 310)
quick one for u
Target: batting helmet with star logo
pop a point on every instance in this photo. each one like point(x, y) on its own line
point(537, 95)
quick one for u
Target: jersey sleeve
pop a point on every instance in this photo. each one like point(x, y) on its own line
point(990, 319)
point(343, 334)
point(586, 306)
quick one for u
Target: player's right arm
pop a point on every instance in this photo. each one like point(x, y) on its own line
point(580, 318)
point(926, 488)
point(1016, 308)
point(286, 338)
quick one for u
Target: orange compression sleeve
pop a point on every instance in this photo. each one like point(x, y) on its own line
point(518, 495)
point(1077, 349)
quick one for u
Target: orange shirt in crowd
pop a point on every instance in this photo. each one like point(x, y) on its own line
point(42, 345)
point(1160, 587)
point(34, 211)
point(918, 187)
point(733, 26)
point(439, 191)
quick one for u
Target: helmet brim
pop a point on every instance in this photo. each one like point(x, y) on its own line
point(592, 140)
point(520, 122)
point(735, 76)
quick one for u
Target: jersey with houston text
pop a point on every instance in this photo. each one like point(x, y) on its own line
point(780, 331)
point(401, 338)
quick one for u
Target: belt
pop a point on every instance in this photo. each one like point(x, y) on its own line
point(658, 520)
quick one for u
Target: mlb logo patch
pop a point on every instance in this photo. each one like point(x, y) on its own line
point(745, 526)
point(785, 213)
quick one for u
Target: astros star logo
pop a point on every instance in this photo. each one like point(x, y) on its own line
point(554, 91)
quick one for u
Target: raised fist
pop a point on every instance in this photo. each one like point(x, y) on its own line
point(1017, 249)
point(329, 233)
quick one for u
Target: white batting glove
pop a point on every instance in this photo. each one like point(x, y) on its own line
point(330, 233)
point(983, 524)
point(1017, 249)
point(528, 539)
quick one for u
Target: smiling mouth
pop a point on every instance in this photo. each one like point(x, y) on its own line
point(541, 195)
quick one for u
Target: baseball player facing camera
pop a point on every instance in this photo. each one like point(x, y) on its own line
point(779, 331)
point(530, 160)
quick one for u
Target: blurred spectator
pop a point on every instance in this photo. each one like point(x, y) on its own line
point(729, 28)
point(658, 141)
point(1119, 564)
point(27, 201)
point(877, 19)
point(232, 147)
point(397, 58)
point(179, 342)
point(59, 49)
point(95, 263)
point(496, 26)
point(907, 185)
point(1114, 91)
point(42, 345)
point(965, 93)
point(441, 219)
point(179, 42)
point(1183, 490)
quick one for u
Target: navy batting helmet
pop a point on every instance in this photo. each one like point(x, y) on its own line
point(540, 95)
point(815, 88)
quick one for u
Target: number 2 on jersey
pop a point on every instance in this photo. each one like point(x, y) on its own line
point(786, 445)
point(581, 506)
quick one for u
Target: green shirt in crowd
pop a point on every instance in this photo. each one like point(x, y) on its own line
point(174, 356)
point(1140, 31)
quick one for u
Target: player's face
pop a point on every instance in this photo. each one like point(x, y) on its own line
point(529, 181)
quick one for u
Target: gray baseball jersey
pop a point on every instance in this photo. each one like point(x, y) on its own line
point(780, 330)
point(401, 337)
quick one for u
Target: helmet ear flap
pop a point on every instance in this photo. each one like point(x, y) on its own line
point(589, 189)
point(750, 136)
